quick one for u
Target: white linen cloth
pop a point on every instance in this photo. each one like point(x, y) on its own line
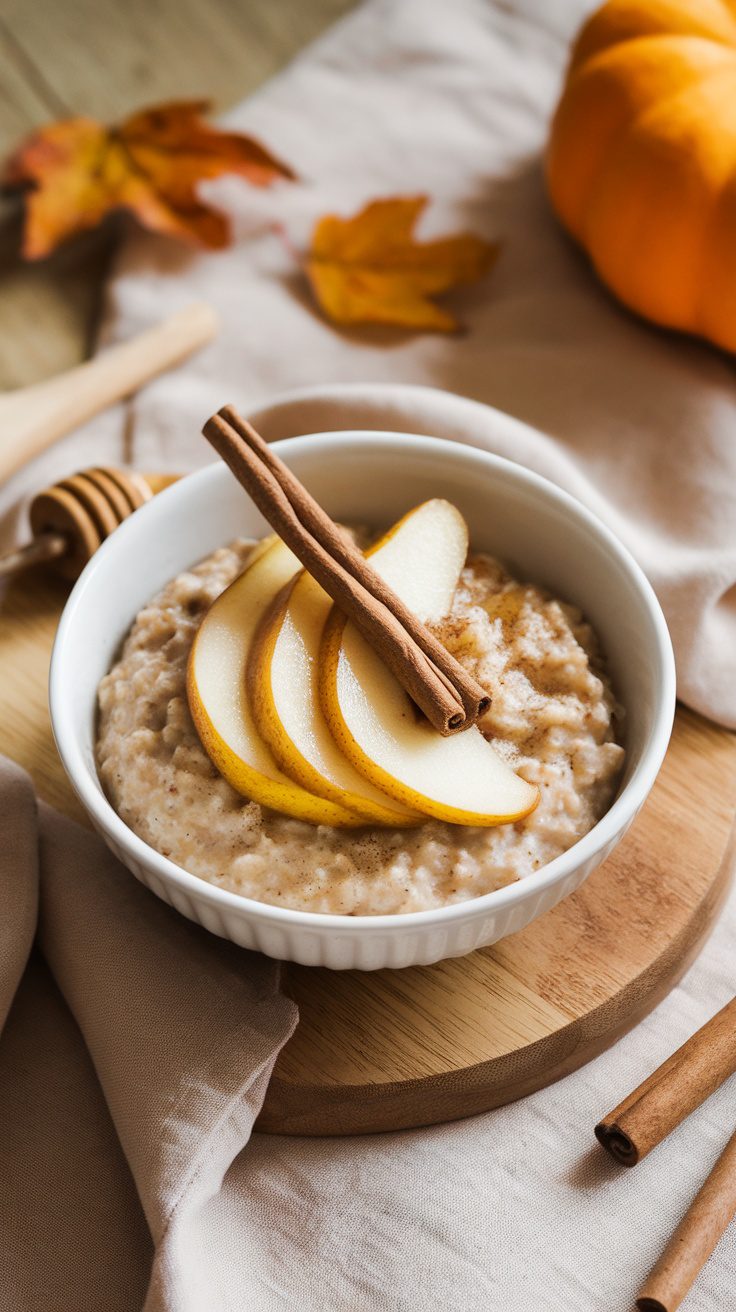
point(509, 1211)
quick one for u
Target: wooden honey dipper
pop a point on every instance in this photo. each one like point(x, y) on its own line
point(72, 518)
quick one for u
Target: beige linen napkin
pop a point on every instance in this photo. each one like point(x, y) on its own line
point(137, 1049)
point(133, 1062)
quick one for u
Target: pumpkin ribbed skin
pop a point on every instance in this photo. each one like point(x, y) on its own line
point(641, 165)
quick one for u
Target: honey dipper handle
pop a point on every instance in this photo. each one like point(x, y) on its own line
point(33, 418)
point(49, 546)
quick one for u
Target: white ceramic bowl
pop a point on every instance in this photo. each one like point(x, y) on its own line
point(541, 532)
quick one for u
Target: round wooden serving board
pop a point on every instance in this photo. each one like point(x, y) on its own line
point(395, 1049)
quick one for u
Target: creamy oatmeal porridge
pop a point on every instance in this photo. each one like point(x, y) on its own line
point(553, 718)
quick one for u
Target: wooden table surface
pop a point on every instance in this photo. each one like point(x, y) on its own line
point(103, 59)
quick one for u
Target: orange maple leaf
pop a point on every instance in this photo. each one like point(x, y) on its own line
point(371, 269)
point(77, 171)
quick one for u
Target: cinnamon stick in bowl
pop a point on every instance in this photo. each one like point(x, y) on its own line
point(679, 1085)
point(709, 1214)
point(439, 685)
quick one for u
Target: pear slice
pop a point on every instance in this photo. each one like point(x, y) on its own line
point(460, 779)
point(217, 694)
point(283, 669)
point(284, 698)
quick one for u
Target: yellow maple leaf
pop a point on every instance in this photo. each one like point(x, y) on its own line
point(77, 171)
point(371, 269)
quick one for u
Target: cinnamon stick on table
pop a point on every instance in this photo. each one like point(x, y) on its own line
point(685, 1080)
point(711, 1211)
point(439, 685)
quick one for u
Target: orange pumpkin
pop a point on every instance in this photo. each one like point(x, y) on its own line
point(641, 166)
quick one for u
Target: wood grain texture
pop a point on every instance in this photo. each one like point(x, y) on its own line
point(396, 1049)
point(30, 606)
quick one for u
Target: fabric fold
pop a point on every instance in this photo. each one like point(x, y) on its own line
point(164, 1049)
point(182, 1028)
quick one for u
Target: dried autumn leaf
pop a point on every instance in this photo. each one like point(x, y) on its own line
point(371, 268)
point(78, 171)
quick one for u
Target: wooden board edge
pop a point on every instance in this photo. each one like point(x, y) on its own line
point(294, 1109)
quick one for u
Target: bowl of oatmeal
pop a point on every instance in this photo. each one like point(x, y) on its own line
point(550, 613)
